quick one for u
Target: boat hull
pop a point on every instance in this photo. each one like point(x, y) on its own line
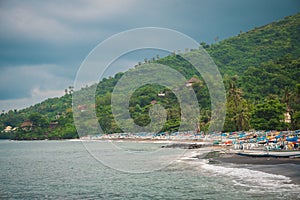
point(271, 154)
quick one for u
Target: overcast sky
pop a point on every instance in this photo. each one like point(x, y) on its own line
point(43, 43)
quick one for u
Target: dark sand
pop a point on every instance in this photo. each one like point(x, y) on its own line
point(237, 159)
point(289, 167)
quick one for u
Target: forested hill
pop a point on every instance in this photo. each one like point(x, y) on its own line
point(261, 72)
point(269, 42)
point(267, 56)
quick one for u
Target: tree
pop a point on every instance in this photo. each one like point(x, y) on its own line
point(237, 113)
point(296, 120)
point(287, 98)
point(268, 115)
point(71, 89)
point(38, 120)
point(204, 45)
point(295, 108)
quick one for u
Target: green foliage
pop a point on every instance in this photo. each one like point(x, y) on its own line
point(38, 120)
point(294, 107)
point(259, 45)
point(268, 115)
point(237, 110)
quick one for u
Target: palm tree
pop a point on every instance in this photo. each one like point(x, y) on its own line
point(287, 98)
point(71, 89)
point(237, 107)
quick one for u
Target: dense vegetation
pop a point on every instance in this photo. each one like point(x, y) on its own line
point(261, 73)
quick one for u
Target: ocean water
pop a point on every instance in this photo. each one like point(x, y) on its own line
point(68, 170)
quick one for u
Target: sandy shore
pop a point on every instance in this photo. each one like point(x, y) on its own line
point(152, 140)
point(237, 159)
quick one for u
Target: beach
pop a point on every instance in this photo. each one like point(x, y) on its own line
point(237, 159)
point(289, 167)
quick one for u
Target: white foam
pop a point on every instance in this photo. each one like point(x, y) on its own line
point(255, 180)
point(195, 153)
point(252, 180)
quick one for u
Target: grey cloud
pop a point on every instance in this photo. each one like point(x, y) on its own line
point(20, 82)
point(33, 32)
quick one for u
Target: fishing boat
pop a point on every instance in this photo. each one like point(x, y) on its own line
point(276, 154)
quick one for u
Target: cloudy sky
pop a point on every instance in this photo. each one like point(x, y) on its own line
point(43, 43)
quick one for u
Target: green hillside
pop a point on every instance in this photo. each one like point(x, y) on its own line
point(261, 73)
point(266, 56)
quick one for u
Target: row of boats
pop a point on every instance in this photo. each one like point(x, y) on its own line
point(278, 144)
point(250, 143)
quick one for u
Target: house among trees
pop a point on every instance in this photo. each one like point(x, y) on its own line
point(53, 125)
point(287, 117)
point(191, 81)
point(153, 102)
point(26, 126)
point(82, 108)
point(7, 129)
point(161, 94)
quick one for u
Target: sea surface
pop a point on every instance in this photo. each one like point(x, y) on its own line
point(70, 170)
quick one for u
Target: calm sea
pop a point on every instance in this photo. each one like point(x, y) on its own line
point(66, 170)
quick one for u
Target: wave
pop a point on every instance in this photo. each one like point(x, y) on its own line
point(253, 181)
